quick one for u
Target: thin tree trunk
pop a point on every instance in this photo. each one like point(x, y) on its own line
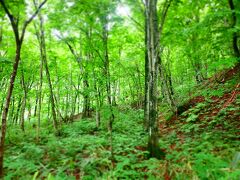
point(16, 115)
point(84, 73)
point(18, 41)
point(98, 104)
point(41, 39)
point(167, 88)
point(7, 103)
point(39, 95)
point(54, 116)
point(86, 100)
point(36, 105)
point(23, 101)
point(11, 115)
point(67, 104)
point(146, 88)
point(108, 81)
point(140, 90)
point(29, 112)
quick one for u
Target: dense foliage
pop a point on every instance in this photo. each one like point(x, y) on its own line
point(83, 80)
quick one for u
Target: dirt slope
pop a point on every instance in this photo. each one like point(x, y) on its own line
point(203, 140)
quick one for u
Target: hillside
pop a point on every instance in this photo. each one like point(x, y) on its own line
point(201, 143)
point(119, 89)
point(204, 140)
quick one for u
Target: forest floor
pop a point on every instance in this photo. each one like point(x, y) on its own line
point(201, 143)
point(204, 141)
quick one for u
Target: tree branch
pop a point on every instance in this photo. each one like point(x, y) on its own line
point(12, 20)
point(139, 25)
point(30, 19)
point(10, 16)
point(164, 15)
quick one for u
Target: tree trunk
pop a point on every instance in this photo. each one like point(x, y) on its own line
point(146, 88)
point(153, 64)
point(7, 103)
point(39, 96)
point(18, 41)
point(29, 112)
point(41, 39)
point(36, 105)
point(152, 58)
point(15, 119)
point(11, 114)
point(52, 100)
point(108, 81)
point(98, 104)
point(23, 101)
point(166, 87)
point(86, 99)
point(235, 35)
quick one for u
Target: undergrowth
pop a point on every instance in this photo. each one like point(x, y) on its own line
point(82, 152)
point(202, 143)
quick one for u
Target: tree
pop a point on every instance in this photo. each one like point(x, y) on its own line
point(19, 36)
point(153, 60)
point(106, 71)
point(235, 35)
point(41, 40)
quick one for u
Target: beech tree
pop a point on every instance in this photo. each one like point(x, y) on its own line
point(19, 37)
point(152, 62)
point(40, 33)
point(106, 88)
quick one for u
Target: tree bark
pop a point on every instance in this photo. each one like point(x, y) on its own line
point(44, 59)
point(41, 40)
point(36, 105)
point(235, 35)
point(11, 114)
point(23, 101)
point(97, 97)
point(146, 88)
point(152, 62)
point(16, 115)
point(108, 80)
point(39, 96)
point(18, 41)
point(152, 74)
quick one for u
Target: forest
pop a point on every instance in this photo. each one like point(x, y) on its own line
point(120, 89)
